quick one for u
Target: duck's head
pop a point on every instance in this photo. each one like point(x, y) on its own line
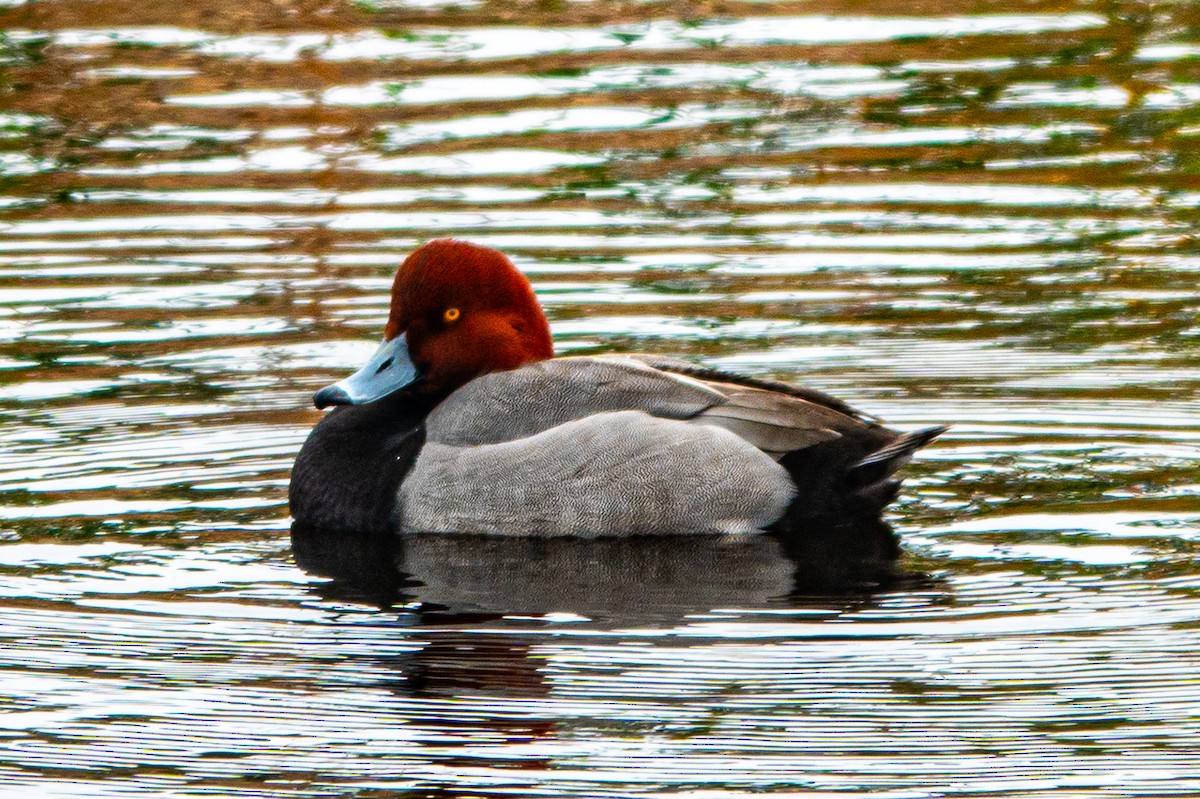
point(458, 311)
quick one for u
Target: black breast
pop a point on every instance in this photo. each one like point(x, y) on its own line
point(349, 470)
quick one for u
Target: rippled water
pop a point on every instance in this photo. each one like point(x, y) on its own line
point(976, 213)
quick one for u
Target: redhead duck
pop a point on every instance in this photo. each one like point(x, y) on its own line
point(463, 421)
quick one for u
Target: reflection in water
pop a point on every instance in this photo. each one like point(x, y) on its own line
point(445, 582)
point(939, 215)
point(618, 580)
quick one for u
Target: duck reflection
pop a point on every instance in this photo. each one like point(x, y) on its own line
point(482, 696)
point(458, 577)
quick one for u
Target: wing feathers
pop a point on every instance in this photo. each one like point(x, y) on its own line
point(775, 423)
point(507, 406)
point(714, 376)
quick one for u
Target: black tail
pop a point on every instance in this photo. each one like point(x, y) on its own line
point(871, 479)
point(900, 451)
point(833, 528)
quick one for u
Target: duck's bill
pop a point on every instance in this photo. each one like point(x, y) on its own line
point(389, 370)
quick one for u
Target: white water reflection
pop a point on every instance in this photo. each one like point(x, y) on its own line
point(571, 119)
point(989, 194)
point(509, 42)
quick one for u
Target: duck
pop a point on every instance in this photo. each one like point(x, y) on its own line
point(463, 421)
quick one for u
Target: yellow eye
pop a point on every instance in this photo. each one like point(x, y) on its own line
point(451, 314)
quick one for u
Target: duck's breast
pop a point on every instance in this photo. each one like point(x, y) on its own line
point(348, 471)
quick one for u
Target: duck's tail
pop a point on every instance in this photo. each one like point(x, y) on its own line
point(871, 479)
point(833, 529)
point(900, 451)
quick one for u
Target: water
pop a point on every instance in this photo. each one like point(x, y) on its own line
point(968, 214)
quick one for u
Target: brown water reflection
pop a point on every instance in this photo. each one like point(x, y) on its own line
point(973, 212)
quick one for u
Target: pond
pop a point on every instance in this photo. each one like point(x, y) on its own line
point(972, 212)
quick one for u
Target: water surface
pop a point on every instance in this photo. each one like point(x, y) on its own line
point(968, 212)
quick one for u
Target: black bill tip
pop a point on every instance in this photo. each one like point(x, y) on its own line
point(331, 395)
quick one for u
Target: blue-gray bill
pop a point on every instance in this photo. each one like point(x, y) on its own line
point(388, 370)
